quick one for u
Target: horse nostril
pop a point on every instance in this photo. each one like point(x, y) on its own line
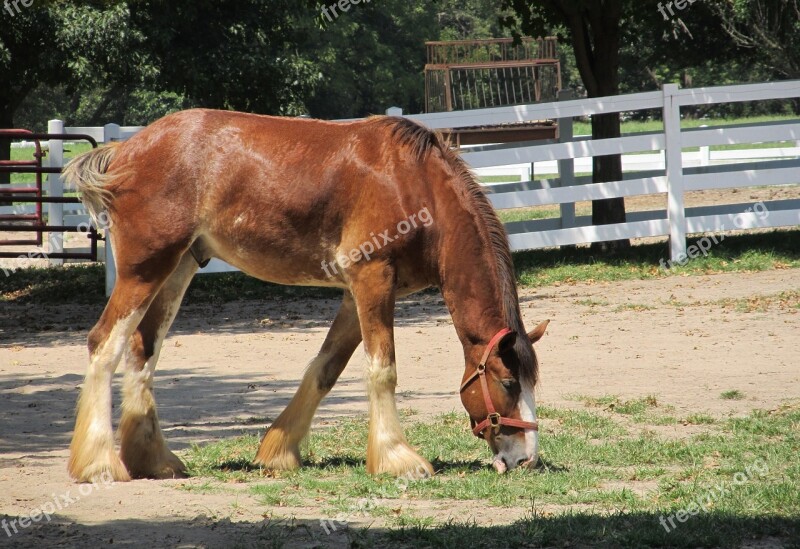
point(521, 461)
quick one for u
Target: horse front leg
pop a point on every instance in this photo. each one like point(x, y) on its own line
point(280, 447)
point(388, 450)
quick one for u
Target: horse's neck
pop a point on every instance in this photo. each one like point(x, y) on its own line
point(470, 285)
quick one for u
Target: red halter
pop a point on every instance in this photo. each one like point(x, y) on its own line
point(493, 420)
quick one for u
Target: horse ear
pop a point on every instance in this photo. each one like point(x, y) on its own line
point(537, 333)
point(507, 342)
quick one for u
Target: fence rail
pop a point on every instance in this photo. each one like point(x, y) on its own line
point(675, 221)
point(667, 170)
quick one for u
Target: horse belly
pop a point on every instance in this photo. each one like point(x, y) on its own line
point(272, 254)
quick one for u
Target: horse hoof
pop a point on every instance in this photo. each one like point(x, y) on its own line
point(169, 467)
point(107, 470)
point(400, 461)
point(276, 453)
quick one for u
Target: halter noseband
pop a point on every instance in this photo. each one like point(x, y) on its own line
point(493, 420)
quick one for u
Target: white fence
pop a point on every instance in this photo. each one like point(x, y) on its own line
point(667, 170)
point(675, 221)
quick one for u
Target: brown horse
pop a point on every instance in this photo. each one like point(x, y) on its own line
point(381, 208)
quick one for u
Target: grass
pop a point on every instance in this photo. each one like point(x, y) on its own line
point(535, 269)
point(635, 126)
point(603, 482)
point(733, 394)
point(27, 154)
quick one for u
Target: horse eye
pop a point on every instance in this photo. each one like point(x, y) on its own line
point(509, 383)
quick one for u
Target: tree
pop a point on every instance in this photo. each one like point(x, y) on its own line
point(594, 28)
point(59, 44)
point(26, 60)
point(235, 54)
point(386, 67)
point(658, 41)
point(769, 28)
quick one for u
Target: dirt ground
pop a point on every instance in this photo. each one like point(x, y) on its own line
point(230, 369)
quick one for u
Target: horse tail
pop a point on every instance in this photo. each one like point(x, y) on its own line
point(87, 173)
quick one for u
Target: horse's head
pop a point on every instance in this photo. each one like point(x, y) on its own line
point(497, 392)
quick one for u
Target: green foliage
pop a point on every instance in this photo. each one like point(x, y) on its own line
point(229, 54)
point(90, 62)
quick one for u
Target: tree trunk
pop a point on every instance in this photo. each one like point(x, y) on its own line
point(6, 122)
point(607, 168)
point(596, 36)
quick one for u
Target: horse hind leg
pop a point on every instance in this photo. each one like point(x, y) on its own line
point(280, 447)
point(142, 447)
point(92, 452)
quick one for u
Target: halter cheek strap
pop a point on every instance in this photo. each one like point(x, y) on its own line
point(493, 420)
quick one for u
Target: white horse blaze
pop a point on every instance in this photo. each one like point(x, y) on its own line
point(527, 412)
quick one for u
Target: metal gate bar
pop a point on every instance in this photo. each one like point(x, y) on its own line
point(34, 195)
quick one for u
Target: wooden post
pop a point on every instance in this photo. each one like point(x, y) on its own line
point(676, 214)
point(55, 212)
point(448, 99)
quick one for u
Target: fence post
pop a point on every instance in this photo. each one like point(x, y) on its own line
point(111, 132)
point(566, 167)
point(55, 212)
point(705, 152)
point(676, 215)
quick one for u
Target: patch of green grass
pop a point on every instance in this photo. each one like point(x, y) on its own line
point(741, 253)
point(637, 126)
point(575, 528)
point(85, 283)
point(700, 419)
point(600, 484)
point(26, 153)
point(592, 303)
point(529, 214)
point(761, 303)
point(733, 394)
point(635, 307)
point(613, 403)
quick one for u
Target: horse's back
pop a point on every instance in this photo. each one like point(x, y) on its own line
point(274, 196)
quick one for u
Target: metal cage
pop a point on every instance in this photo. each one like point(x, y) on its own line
point(474, 74)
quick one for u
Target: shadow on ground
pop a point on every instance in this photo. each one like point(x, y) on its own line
point(50, 325)
point(38, 413)
point(566, 530)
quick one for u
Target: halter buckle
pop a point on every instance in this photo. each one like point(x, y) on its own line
point(494, 422)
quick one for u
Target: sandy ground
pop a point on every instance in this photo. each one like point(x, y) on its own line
point(231, 369)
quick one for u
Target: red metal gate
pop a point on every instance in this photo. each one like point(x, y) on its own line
point(35, 222)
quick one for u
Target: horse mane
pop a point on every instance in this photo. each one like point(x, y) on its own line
point(422, 142)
